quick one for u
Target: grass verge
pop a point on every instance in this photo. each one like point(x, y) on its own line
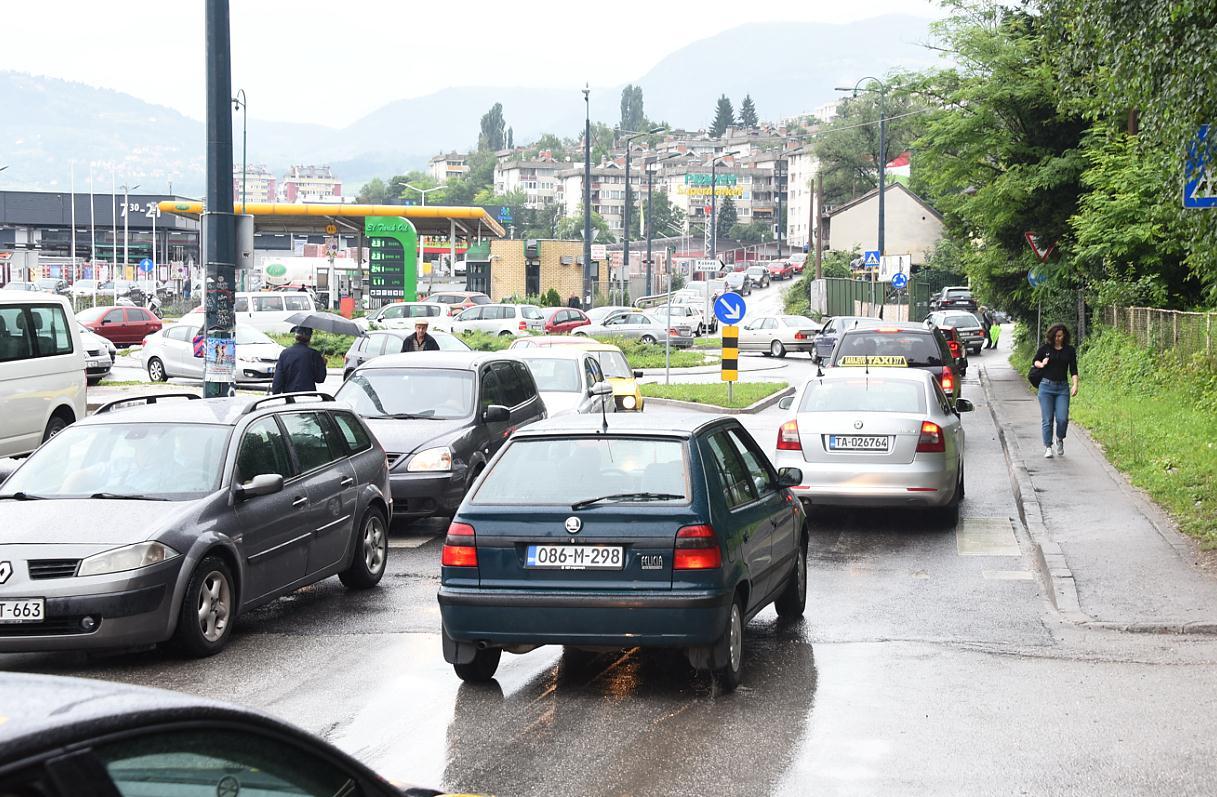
point(715, 393)
point(1155, 415)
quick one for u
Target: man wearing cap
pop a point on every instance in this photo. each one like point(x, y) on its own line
point(300, 366)
point(420, 340)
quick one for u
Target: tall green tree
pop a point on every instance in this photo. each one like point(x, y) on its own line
point(492, 136)
point(511, 138)
point(543, 222)
point(374, 192)
point(570, 228)
point(667, 217)
point(726, 216)
point(632, 115)
point(724, 116)
point(747, 113)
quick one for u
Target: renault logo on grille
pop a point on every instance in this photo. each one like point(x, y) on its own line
point(573, 524)
point(857, 424)
point(6, 570)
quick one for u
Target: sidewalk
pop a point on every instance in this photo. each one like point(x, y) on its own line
point(1098, 535)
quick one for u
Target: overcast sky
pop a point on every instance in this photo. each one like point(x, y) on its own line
point(295, 57)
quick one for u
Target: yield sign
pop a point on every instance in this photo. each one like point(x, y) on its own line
point(1038, 247)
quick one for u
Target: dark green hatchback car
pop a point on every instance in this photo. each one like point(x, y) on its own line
point(656, 532)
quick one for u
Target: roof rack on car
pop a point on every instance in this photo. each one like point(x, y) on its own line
point(286, 398)
point(151, 398)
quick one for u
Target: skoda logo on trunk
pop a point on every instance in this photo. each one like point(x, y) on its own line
point(573, 524)
point(6, 570)
point(857, 424)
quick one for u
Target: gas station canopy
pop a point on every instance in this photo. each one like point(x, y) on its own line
point(435, 220)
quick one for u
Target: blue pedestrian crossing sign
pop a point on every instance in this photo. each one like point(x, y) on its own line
point(145, 265)
point(899, 281)
point(729, 308)
point(870, 258)
point(1200, 169)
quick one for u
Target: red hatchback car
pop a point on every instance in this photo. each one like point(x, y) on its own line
point(122, 326)
point(780, 270)
point(560, 320)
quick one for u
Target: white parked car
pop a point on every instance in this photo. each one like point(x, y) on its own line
point(566, 378)
point(404, 315)
point(689, 315)
point(266, 311)
point(42, 370)
point(99, 354)
point(171, 353)
point(500, 319)
point(777, 334)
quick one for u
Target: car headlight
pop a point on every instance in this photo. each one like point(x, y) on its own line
point(431, 459)
point(130, 557)
point(629, 402)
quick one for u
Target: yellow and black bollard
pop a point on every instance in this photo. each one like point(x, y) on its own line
point(730, 362)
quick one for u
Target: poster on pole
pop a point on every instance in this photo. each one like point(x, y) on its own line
point(220, 359)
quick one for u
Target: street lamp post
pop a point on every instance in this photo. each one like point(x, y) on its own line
point(625, 250)
point(423, 193)
point(239, 104)
point(126, 237)
point(587, 198)
point(779, 176)
point(651, 163)
point(714, 202)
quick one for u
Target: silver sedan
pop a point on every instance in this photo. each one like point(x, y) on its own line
point(884, 438)
point(640, 326)
point(776, 335)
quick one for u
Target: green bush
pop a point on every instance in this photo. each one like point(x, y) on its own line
point(551, 298)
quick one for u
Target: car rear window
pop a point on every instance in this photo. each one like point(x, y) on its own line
point(961, 321)
point(919, 348)
point(531, 313)
point(864, 394)
point(553, 375)
point(564, 470)
point(480, 298)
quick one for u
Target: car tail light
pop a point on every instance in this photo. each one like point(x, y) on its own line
point(931, 440)
point(947, 380)
point(800, 336)
point(697, 549)
point(788, 437)
point(523, 325)
point(459, 547)
point(955, 349)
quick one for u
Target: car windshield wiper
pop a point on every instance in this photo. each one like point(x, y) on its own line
point(626, 497)
point(407, 416)
point(24, 496)
point(127, 497)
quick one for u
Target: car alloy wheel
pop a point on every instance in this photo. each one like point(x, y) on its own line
point(371, 553)
point(729, 674)
point(214, 605)
point(156, 370)
point(647, 339)
point(54, 427)
point(374, 544)
point(777, 349)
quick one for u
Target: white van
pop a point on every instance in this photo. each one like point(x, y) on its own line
point(42, 370)
point(265, 311)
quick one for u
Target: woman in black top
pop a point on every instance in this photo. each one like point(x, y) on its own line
point(1059, 363)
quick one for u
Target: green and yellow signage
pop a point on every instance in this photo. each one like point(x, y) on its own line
point(392, 259)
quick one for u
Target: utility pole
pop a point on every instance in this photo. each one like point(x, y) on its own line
point(625, 250)
point(587, 198)
point(219, 228)
point(778, 176)
point(239, 104)
point(817, 224)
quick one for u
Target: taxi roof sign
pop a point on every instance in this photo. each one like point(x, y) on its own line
point(874, 361)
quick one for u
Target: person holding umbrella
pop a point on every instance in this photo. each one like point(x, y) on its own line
point(300, 366)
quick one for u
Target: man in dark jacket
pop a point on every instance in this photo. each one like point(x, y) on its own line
point(300, 366)
point(421, 340)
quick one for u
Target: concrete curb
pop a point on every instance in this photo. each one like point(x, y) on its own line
point(710, 409)
point(1057, 578)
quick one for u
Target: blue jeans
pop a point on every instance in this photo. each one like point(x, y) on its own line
point(1054, 402)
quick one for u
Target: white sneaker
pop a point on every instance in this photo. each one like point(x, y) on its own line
point(1060, 448)
point(1048, 452)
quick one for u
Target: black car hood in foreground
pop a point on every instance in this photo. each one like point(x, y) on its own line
point(406, 436)
point(87, 520)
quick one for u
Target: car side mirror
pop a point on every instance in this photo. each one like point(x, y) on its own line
point(600, 389)
point(638, 374)
point(963, 405)
point(496, 413)
point(262, 484)
point(790, 477)
point(786, 403)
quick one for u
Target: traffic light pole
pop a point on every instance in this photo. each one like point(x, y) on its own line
point(219, 223)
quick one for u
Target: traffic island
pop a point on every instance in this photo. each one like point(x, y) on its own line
point(746, 398)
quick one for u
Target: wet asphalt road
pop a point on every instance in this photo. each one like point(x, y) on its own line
point(927, 662)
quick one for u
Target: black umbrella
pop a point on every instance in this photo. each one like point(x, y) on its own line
point(326, 322)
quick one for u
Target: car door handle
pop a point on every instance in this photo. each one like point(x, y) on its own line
point(347, 482)
point(300, 501)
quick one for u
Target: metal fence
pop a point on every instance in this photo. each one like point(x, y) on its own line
point(1183, 332)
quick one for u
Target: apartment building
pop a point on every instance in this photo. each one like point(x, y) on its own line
point(607, 191)
point(311, 184)
point(801, 171)
point(259, 183)
point(444, 167)
point(536, 178)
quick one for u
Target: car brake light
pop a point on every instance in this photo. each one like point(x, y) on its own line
point(947, 380)
point(955, 350)
point(673, 333)
point(788, 437)
point(460, 547)
point(888, 329)
point(697, 549)
point(523, 325)
point(800, 336)
point(931, 440)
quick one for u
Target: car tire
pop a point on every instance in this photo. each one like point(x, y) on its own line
point(205, 620)
point(347, 374)
point(504, 332)
point(156, 370)
point(94, 381)
point(53, 427)
point(777, 349)
point(369, 561)
point(975, 350)
point(482, 668)
point(728, 676)
point(793, 599)
point(647, 339)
